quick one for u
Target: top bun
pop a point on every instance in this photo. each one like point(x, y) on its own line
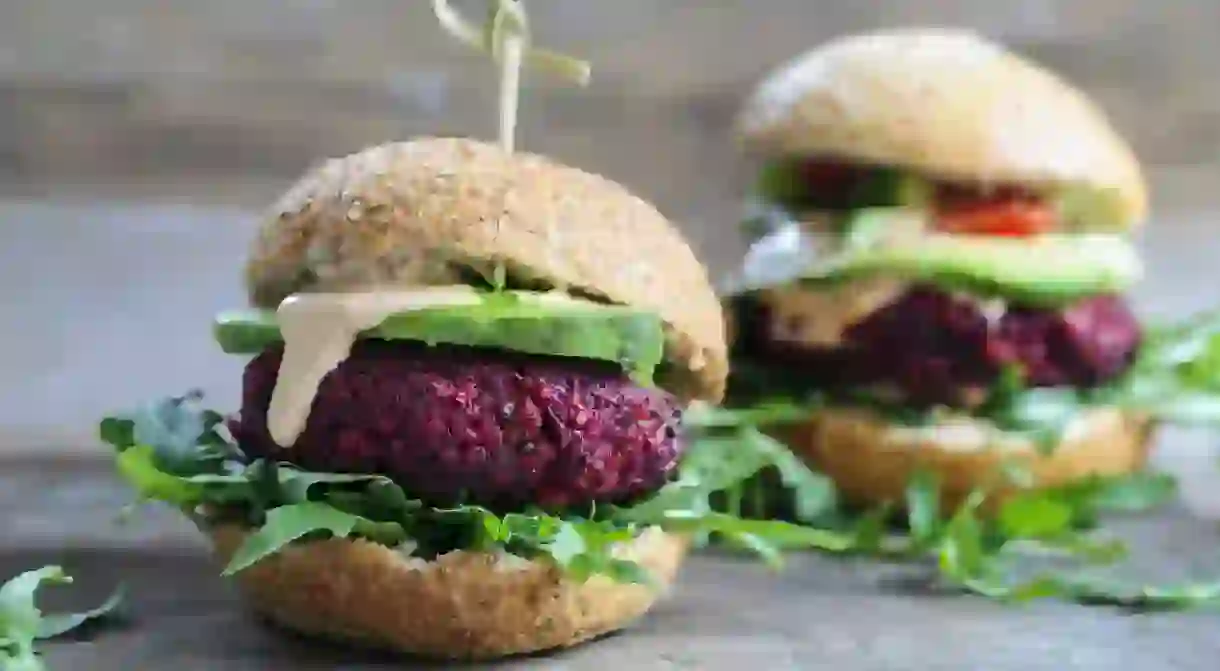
point(427, 211)
point(948, 103)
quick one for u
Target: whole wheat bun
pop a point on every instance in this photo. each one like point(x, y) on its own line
point(947, 103)
point(412, 213)
point(871, 460)
point(463, 605)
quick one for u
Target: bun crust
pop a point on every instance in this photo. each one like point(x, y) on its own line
point(947, 103)
point(463, 605)
point(871, 460)
point(417, 212)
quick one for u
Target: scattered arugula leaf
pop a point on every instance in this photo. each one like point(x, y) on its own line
point(22, 622)
point(176, 452)
point(923, 508)
point(972, 548)
point(961, 551)
point(54, 625)
point(289, 523)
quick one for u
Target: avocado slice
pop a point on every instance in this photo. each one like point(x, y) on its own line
point(1047, 269)
point(516, 320)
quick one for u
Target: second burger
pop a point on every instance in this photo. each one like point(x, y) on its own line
point(939, 259)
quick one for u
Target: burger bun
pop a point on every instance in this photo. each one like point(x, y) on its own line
point(949, 104)
point(872, 460)
point(462, 605)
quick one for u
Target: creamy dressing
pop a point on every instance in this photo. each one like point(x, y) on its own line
point(820, 316)
point(319, 329)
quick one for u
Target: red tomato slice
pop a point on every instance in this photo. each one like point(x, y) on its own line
point(1011, 217)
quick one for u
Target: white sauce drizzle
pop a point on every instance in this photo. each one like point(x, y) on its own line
point(319, 329)
point(967, 434)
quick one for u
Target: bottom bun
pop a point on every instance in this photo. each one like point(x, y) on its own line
point(871, 460)
point(462, 605)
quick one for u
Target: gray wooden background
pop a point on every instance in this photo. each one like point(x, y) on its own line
point(138, 138)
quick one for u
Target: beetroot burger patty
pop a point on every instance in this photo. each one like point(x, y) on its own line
point(485, 427)
point(936, 348)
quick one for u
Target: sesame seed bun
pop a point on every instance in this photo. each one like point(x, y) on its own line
point(463, 605)
point(872, 460)
point(947, 103)
point(409, 213)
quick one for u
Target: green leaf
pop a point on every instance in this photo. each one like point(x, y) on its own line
point(1089, 497)
point(1035, 515)
point(567, 545)
point(780, 534)
point(22, 622)
point(137, 465)
point(56, 625)
point(19, 613)
point(286, 505)
point(1094, 591)
point(295, 484)
point(813, 493)
point(923, 507)
point(1186, 409)
point(962, 555)
point(1136, 492)
point(764, 413)
point(869, 530)
point(1146, 598)
point(290, 523)
point(118, 432)
point(1176, 377)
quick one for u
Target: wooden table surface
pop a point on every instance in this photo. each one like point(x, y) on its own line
point(140, 138)
point(726, 613)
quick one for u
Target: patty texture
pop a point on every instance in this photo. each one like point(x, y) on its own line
point(935, 348)
point(459, 425)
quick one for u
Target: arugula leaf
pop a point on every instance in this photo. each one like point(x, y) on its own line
point(22, 622)
point(813, 494)
point(923, 508)
point(285, 505)
point(869, 532)
point(286, 524)
point(763, 413)
point(961, 552)
point(1142, 598)
point(750, 459)
point(585, 549)
point(973, 548)
point(1035, 516)
point(1176, 376)
point(58, 624)
point(137, 465)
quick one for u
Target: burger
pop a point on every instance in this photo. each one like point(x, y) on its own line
point(940, 241)
point(461, 430)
